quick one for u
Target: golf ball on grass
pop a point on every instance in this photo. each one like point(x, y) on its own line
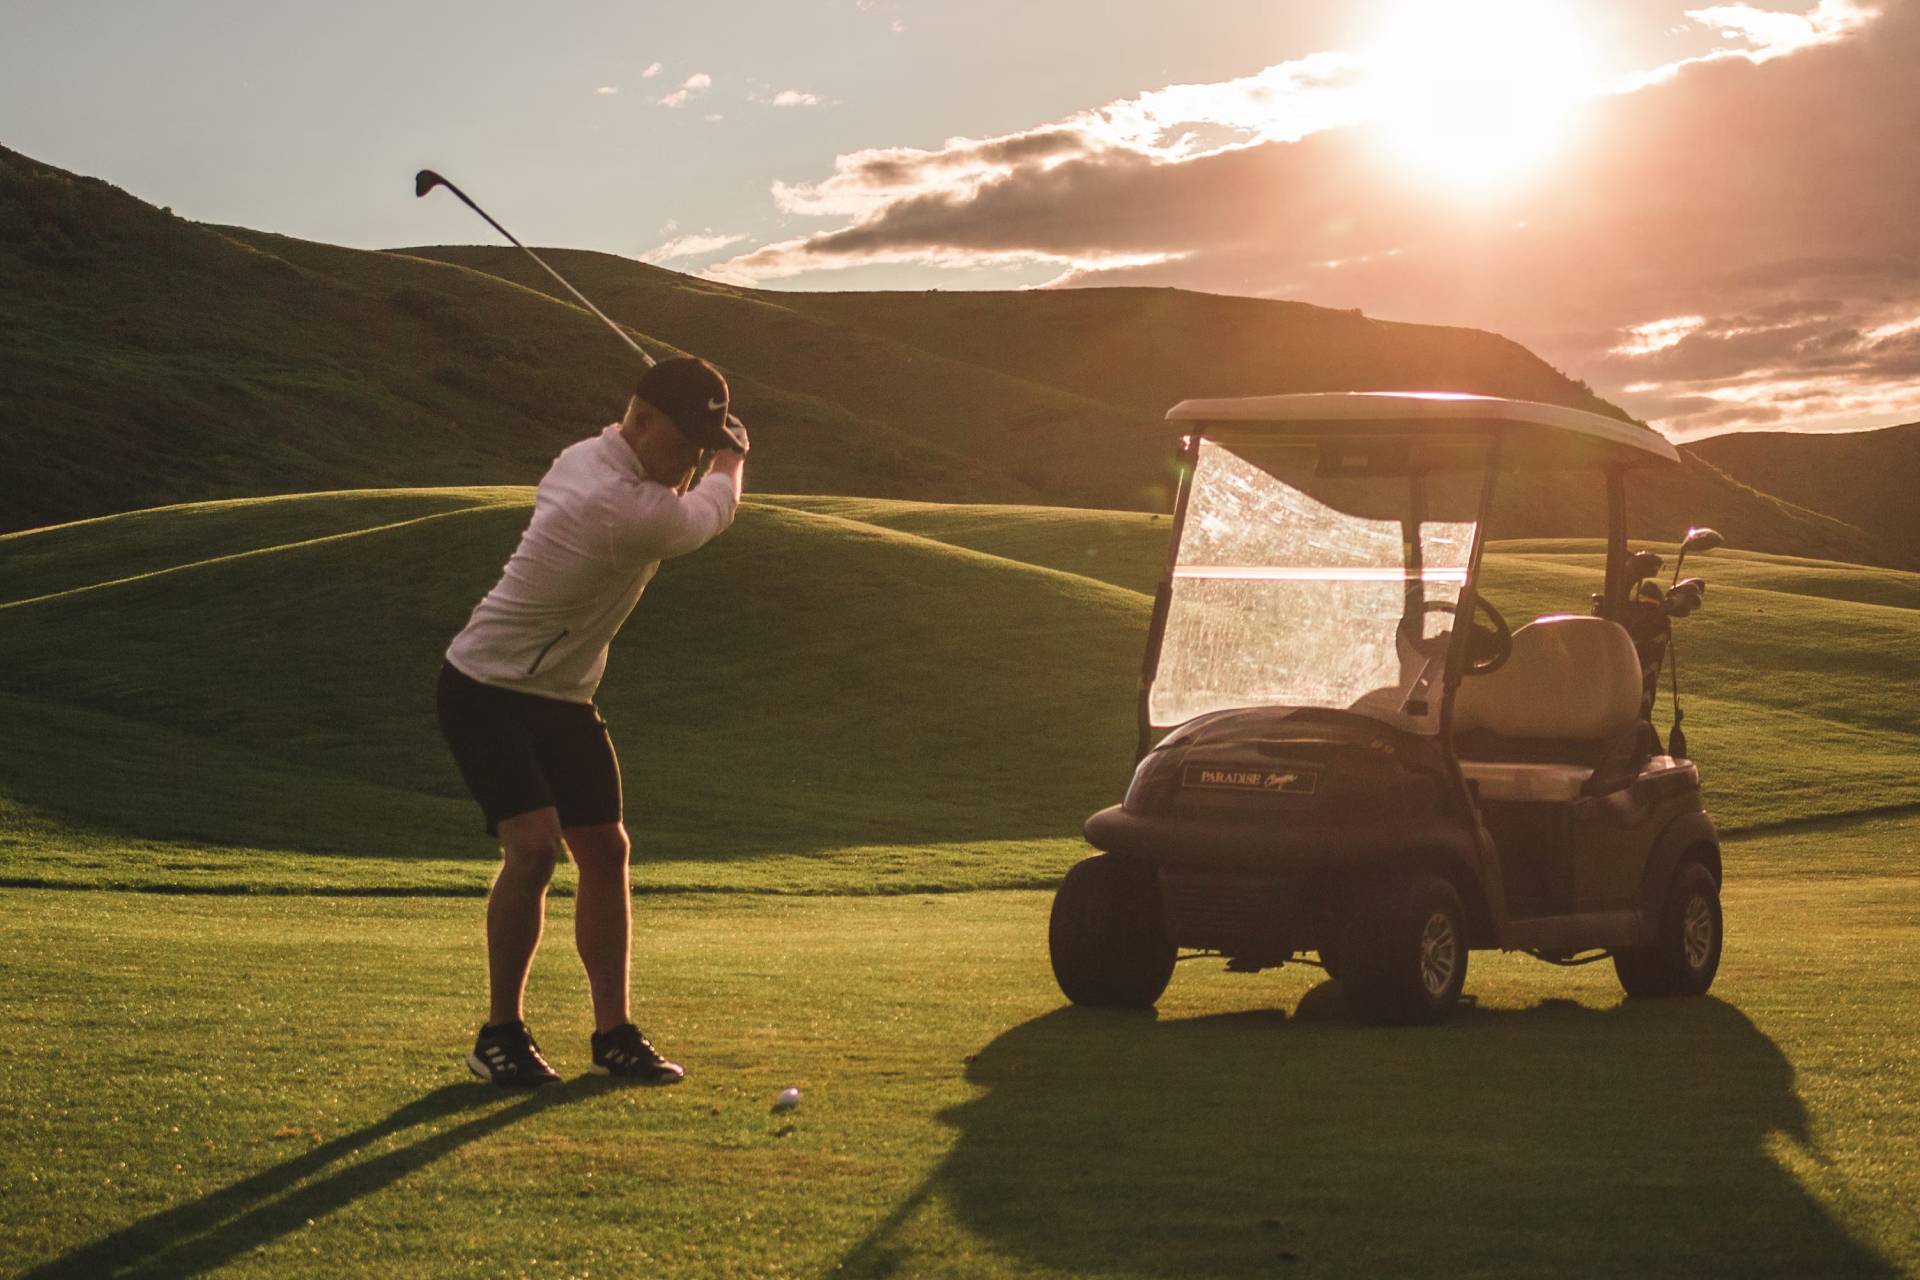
point(787, 1101)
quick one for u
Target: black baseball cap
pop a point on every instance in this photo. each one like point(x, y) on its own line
point(692, 393)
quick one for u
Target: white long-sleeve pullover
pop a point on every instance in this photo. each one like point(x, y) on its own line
point(599, 531)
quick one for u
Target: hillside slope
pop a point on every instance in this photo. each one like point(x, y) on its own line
point(148, 360)
point(839, 694)
point(1072, 447)
point(1869, 475)
point(144, 359)
point(1070, 385)
point(1146, 349)
point(808, 684)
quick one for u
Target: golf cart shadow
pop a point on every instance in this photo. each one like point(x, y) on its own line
point(1559, 1139)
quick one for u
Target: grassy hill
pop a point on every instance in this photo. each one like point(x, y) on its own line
point(917, 694)
point(1048, 379)
point(842, 703)
point(147, 360)
point(1869, 475)
point(886, 691)
point(150, 360)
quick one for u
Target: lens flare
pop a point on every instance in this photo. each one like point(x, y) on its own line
point(1475, 94)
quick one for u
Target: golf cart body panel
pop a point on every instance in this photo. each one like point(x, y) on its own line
point(1304, 668)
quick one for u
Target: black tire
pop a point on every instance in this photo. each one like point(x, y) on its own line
point(1403, 955)
point(1330, 962)
point(1685, 953)
point(1107, 937)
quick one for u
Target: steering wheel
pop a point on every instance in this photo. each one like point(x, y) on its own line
point(1488, 647)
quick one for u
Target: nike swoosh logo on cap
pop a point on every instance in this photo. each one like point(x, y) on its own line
point(716, 404)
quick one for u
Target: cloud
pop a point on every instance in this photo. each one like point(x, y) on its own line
point(791, 98)
point(1772, 34)
point(793, 257)
point(1742, 220)
point(653, 69)
point(889, 8)
point(1761, 35)
point(1281, 103)
point(608, 90)
point(1658, 335)
point(696, 245)
point(1812, 361)
point(695, 85)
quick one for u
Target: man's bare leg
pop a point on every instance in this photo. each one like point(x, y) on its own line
point(603, 918)
point(530, 847)
point(603, 930)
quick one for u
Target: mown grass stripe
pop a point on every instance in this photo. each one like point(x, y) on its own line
point(253, 553)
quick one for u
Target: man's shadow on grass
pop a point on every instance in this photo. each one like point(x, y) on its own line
point(1556, 1140)
point(192, 1238)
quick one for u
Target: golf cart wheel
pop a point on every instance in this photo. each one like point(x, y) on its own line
point(1404, 957)
point(1330, 962)
point(1107, 937)
point(1686, 951)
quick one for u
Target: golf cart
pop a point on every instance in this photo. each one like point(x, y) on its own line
point(1366, 764)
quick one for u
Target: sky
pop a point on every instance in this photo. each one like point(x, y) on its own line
point(1707, 212)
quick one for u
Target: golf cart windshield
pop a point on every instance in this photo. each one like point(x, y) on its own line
point(1319, 573)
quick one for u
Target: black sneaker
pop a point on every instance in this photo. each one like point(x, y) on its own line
point(624, 1052)
point(506, 1055)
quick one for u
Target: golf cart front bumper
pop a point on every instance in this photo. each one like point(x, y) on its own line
point(1261, 891)
point(1259, 821)
point(1271, 850)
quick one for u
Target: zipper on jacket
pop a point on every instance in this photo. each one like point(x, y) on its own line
point(541, 657)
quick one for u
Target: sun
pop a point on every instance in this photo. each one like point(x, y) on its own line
point(1471, 95)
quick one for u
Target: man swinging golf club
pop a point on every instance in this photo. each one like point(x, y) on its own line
point(516, 699)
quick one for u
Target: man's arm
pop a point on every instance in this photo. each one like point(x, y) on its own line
point(658, 524)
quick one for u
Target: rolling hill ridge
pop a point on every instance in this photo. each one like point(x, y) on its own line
point(151, 360)
point(1136, 352)
point(917, 695)
point(1870, 475)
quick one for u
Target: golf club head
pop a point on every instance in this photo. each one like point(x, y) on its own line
point(1681, 602)
point(1696, 585)
point(1645, 564)
point(1651, 591)
point(1702, 540)
point(425, 181)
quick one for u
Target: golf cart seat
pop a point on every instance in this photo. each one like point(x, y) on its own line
point(1565, 705)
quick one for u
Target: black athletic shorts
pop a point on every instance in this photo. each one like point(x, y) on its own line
point(519, 752)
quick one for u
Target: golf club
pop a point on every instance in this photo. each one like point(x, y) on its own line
point(426, 180)
point(1697, 540)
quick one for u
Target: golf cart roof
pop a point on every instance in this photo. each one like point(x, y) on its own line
point(1540, 434)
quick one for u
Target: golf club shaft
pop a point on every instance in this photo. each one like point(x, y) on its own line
point(582, 298)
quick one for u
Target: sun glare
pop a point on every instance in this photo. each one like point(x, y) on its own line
point(1472, 94)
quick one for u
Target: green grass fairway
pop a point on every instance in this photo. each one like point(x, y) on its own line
point(240, 922)
point(900, 692)
point(272, 1086)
